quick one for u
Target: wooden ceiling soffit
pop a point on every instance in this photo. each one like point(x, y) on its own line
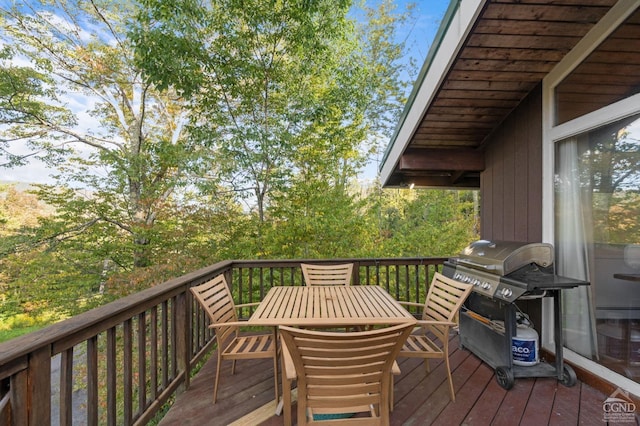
point(426, 159)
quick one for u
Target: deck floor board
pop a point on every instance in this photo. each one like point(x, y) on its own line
point(420, 398)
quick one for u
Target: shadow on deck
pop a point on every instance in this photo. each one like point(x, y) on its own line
point(420, 399)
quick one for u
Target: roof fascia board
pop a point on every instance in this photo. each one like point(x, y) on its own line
point(456, 25)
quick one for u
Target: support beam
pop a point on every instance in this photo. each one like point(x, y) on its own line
point(442, 159)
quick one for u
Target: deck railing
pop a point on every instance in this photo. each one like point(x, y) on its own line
point(121, 362)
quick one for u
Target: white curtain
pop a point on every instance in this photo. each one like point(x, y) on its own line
point(572, 251)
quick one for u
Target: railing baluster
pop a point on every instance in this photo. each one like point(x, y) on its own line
point(112, 374)
point(128, 371)
point(142, 362)
point(174, 337)
point(19, 390)
point(416, 283)
point(182, 329)
point(92, 381)
point(261, 283)
point(5, 398)
point(66, 387)
point(153, 322)
point(240, 289)
point(387, 273)
point(250, 284)
point(165, 345)
point(39, 382)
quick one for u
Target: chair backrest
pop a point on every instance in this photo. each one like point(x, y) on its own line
point(216, 300)
point(340, 372)
point(327, 274)
point(444, 299)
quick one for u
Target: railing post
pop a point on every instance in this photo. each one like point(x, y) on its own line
point(356, 276)
point(18, 412)
point(39, 385)
point(183, 339)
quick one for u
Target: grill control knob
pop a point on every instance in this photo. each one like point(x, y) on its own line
point(486, 286)
point(506, 292)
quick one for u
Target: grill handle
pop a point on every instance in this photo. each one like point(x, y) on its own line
point(478, 265)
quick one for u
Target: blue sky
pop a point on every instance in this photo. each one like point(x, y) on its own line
point(419, 35)
point(429, 15)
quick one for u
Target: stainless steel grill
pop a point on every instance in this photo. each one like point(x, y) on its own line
point(502, 272)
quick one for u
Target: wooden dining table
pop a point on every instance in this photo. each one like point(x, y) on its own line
point(327, 307)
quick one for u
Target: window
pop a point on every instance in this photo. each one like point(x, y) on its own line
point(597, 200)
point(592, 197)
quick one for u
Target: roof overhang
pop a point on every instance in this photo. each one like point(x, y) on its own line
point(488, 55)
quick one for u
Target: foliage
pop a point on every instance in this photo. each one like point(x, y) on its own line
point(609, 167)
point(133, 157)
point(276, 87)
point(222, 130)
point(21, 91)
point(424, 222)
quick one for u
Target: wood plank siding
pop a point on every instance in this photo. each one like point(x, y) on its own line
point(511, 184)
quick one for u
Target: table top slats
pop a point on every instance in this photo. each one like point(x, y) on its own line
point(329, 306)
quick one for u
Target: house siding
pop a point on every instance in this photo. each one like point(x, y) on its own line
point(511, 184)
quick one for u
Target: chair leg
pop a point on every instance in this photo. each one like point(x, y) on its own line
point(275, 377)
point(286, 398)
point(302, 410)
point(451, 391)
point(215, 386)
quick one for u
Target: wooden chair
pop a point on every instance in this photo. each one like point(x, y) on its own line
point(341, 372)
point(327, 274)
point(216, 300)
point(444, 299)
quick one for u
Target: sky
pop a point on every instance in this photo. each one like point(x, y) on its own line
point(418, 34)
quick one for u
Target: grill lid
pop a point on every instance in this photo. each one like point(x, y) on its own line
point(503, 257)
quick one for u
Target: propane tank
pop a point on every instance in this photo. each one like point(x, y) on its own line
point(524, 346)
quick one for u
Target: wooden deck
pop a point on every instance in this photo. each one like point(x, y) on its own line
point(420, 399)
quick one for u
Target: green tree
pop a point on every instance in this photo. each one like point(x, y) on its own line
point(260, 73)
point(279, 88)
point(423, 222)
point(22, 109)
point(122, 167)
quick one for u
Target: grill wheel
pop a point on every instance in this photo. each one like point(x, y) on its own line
point(505, 378)
point(569, 377)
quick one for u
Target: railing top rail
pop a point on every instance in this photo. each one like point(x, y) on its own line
point(362, 261)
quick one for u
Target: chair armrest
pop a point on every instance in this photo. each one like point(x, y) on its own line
point(431, 322)
point(420, 305)
point(395, 369)
point(229, 324)
point(288, 367)
point(246, 305)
